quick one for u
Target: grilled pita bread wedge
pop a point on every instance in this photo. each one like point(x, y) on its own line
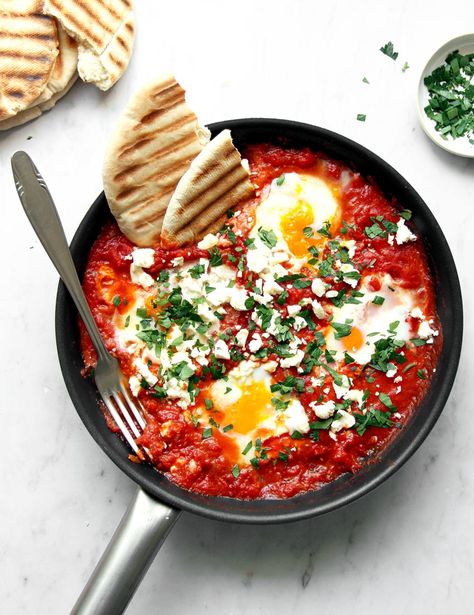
point(28, 51)
point(153, 145)
point(62, 78)
point(215, 182)
point(35, 111)
point(104, 30)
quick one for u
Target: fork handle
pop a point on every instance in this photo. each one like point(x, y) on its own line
point(43, 216)
point(128, 556)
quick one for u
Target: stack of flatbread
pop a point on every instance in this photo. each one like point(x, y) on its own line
point(164, 179)
point(45, 43)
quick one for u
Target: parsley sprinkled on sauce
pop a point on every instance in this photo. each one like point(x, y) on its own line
point(235, 471)
point(247, 448)
point(389, 50)
point(206, 433)
point(451, 96)
point(268, 237)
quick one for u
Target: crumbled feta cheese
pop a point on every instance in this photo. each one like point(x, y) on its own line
point(144, 371)
point(403, 233)
point(318, 287)
point(390, 239)
point(425, 331)
point(241, 337)
point(270, 366)
point(142, 257)
point(323, 411)
point(295, 417)
point(208, 241)
point(300, 323)
point(390, 373)
point(293, 309)
point(255, 343)
point(318, 309)
point(343, 388)
point(293, 361)
point(178, 261)
point(417, 313)
point(331, 294)
point(347, 268)
point(356, 395)
point(238, 297)
point(221, 350)
point(134, 385)
point(346, 421)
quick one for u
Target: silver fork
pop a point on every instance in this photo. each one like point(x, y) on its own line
point(43, 216)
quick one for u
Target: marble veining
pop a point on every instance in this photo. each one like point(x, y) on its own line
point(406, 548)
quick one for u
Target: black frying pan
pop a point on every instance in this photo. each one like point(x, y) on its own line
point(129, 541)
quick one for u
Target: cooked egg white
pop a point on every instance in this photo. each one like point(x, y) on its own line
point(296, 202)
point(244, 400)
point(371, 321)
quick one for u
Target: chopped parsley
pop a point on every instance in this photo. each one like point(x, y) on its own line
point(361, 117)
point(268, 237)
point(389, 50)
point(451, 96)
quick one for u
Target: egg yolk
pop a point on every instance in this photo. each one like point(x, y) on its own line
point(354, 340)
point(252, 408)
point(292, 226)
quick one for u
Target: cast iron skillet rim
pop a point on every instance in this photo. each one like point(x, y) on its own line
point(183, 501)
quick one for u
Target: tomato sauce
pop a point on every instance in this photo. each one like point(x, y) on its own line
point(291, 465)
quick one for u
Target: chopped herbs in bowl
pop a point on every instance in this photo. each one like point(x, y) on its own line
point(446, 96)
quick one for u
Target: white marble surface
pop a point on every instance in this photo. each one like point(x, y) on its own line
point(408, 547)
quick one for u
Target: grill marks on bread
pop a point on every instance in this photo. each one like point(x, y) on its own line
point(153, 145)
point(104, 30)
point(28, 51)
point(215, 182)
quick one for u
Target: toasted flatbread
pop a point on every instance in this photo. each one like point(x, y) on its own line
point(104, 31)
point(64, 68)
point(35, 111)
point(28, 51)
point(153, 145)
point(215, 182)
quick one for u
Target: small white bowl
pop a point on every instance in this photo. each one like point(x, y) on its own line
point(461, 145)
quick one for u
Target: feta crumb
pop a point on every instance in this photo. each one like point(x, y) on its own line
point(134, 385)
point(417, 313)
point(318, 309)
point(142, 257)
point(390, 373)
point(343, 388)
point(295, 417)
point(255, 343)
point(403, 233)
point(331, 294)
point(293, 361)
point(221, 350)
point(293, 309)
point(425, 331)
point(270, 366)
point(208, 241)
point(238, 297)
point(318, 287)
point(241, 337)
point(345, 422)
point(323, 411)
point(178, 261)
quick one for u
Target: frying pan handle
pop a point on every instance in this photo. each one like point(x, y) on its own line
point(128, 556)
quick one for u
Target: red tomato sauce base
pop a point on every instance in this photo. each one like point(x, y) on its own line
point(204, 465)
